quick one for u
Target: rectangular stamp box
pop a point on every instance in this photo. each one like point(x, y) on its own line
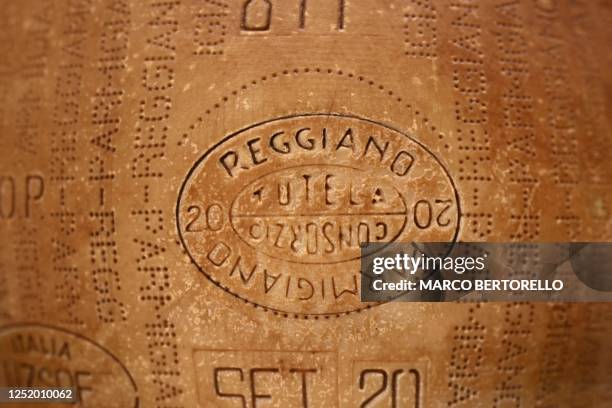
point(266, 378)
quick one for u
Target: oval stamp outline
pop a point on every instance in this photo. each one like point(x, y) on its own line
point(230, 136)
point(5, 329)
point(397, 234)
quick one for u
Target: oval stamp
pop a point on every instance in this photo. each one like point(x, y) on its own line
point(42, 356)
point(275, 213)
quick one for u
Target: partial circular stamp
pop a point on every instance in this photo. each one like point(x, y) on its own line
point(43, 356)
point(276, 212)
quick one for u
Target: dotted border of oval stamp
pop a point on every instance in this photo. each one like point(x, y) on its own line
point(276, 75)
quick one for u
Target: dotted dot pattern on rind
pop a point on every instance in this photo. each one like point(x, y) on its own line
point(310, 71)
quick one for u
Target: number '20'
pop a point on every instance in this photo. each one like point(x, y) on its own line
point(210, 219)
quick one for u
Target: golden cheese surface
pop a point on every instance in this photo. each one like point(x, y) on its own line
point(185, 185)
